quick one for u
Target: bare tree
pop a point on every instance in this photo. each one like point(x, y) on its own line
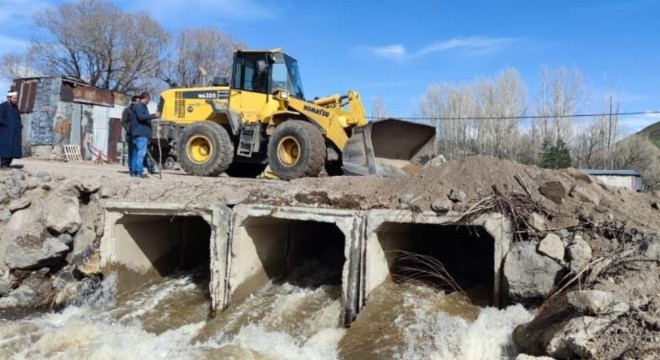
point(478, 118)
point(94, 41)
point(17, 65)
point(639, 153)
point(595, 141)
point(562, 95)
point(378, 109)
point(198, 52)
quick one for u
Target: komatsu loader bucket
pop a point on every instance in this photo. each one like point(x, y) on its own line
point(387, 147)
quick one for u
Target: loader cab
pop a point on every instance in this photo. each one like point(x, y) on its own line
point(266, 71)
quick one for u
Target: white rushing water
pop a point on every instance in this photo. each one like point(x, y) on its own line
point(169, 320)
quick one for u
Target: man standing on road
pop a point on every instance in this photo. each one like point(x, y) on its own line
point(126, 124)
point(141, 133)
point(11, 131)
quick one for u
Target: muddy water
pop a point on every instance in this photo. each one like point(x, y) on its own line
point(170, 320)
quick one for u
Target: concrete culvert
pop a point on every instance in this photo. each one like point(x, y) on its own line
point(303, 253)
point(446, 257)
point(150, 247)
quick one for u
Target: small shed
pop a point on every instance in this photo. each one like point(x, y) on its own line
point(629, 179)
point(58, 110)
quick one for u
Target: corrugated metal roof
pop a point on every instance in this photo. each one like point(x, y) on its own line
point(612, 172)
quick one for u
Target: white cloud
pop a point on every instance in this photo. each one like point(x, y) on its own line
point(390, 51)
point(474, 45)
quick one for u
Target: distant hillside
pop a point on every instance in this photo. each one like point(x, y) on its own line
point(653, 132)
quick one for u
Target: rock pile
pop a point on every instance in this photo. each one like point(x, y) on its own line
point(48, 254)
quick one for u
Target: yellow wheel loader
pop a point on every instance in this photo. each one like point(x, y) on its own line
point(262, 118)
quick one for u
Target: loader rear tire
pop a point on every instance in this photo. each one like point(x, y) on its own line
point(205, 149)
point(296, 149)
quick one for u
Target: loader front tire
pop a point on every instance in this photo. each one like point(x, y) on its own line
point(296, 149)
point(205, 149)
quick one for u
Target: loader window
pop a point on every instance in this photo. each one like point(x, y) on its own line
point(251, 73)
point(266, 72)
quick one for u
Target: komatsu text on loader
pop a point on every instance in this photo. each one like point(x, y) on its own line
point(262, 118)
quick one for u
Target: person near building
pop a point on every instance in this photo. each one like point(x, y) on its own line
point(141, 134)
point(11, 131)
point(126, 124)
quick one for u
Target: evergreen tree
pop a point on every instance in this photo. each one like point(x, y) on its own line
point(547, 154)
point(562, 155)
point(555, 156)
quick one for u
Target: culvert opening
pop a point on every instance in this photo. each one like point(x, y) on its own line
point(303, 253)
point(151, 247)
point(446, 257)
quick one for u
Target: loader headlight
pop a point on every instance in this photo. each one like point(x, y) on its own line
point(284, 95)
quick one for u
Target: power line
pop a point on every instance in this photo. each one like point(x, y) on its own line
point(655, 112)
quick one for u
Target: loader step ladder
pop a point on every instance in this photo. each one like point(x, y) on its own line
point(249, 141)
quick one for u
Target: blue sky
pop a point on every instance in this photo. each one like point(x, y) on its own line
point(396, 49)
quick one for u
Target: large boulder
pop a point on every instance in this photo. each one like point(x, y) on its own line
point(28, 252)
point(554, 190)
point(63, 214)
point(25, 226)
point(529, 275)
point(34, 291)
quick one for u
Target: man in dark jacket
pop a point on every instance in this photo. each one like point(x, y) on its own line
point(141, 133)
point(126, 124)
point(126, 116)
point(11, 131)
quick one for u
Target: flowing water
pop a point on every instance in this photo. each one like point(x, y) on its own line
point(170, 320)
